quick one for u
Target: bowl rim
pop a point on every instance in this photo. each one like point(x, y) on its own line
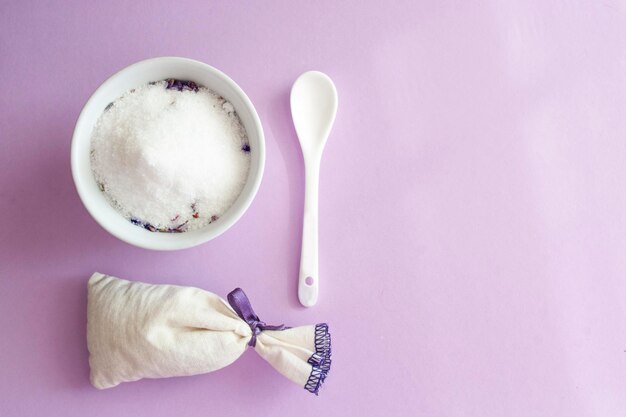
point(173, 243)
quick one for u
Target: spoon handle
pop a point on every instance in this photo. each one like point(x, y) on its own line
point(308, 281)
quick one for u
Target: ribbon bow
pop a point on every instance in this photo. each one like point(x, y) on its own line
point(238, 300)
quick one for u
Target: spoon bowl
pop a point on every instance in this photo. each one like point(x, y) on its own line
point(313, 108)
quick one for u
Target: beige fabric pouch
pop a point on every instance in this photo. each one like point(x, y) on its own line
point(137, 330)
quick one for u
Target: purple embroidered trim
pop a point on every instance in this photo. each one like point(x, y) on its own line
point(320, 360)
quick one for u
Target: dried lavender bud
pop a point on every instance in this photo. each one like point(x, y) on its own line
point(245, 148)
point(193, 86)
point(179, 229)
point(181, 85)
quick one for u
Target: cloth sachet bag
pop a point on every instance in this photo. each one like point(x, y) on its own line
point(137, 330)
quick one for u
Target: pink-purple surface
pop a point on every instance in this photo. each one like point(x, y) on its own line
point(473, 205)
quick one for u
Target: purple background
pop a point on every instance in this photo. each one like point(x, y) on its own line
point(472, 213)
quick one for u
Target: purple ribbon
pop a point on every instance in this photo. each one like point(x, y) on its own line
point(238, 300)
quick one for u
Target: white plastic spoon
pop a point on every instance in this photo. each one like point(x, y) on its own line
point(313, 109)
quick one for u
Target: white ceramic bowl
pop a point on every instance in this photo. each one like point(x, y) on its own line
point(142, 72)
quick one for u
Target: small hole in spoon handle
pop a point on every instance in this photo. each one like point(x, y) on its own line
point(307, 289)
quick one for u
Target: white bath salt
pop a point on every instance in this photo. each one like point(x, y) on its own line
point(170, 160)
